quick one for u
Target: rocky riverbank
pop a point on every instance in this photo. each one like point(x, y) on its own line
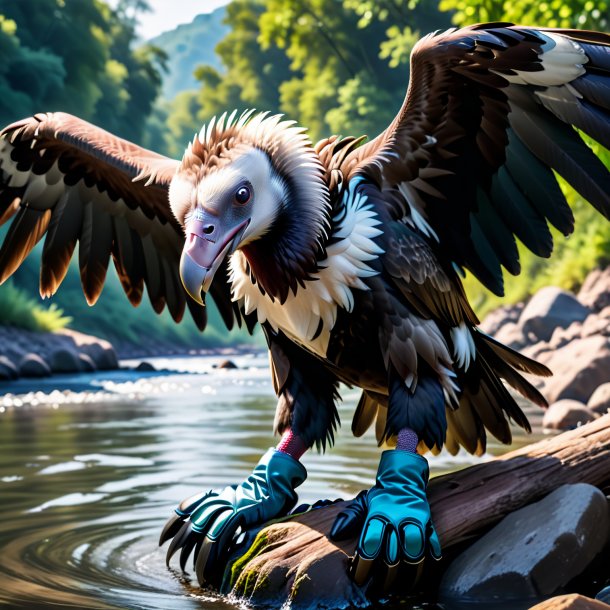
point(26, 353)
point(569, 333)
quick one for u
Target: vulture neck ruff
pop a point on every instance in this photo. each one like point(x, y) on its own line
point(308, 315)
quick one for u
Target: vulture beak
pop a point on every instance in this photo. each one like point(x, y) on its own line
point(208, 243)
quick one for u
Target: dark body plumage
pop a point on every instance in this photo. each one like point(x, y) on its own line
point(350, 258)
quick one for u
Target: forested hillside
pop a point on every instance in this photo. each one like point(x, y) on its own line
point(187, 47)
point(335, 66)
point(80, 57)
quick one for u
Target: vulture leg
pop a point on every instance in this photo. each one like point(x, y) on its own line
point(393, 517)
point(211, 523)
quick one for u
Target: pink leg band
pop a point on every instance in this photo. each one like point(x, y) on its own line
point(292, 445)
point(407, 440)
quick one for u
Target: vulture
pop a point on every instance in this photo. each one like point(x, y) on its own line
point(348, 253)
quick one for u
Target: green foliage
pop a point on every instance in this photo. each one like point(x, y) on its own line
point(582, 14)
point(18, 309)
point(76, 56)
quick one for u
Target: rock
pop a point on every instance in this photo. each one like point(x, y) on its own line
point(227, 364)
point(32, 365)
point(548, 309)
point(600, 399)
point(86, 363)
point(595, 291)
point(101, 352)
point(497, 318)
point(562, 336)
point(567, 414)
point(145, 367)
point(578, 368)
point(64, 360)
point(604, 595)
point(595, 324)
point(7, 369)
point(512, 335)
point(533, 551)
point(570, 602)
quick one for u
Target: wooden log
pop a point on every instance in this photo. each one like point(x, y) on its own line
point(294, 561)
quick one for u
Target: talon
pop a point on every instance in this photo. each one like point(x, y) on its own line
point(189, 545)
point(202, 559)
point(390, 577)
point(361, 569)
point(171, 528)
point(178, 541)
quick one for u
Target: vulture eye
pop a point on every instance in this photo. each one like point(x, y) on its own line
point(242, 195)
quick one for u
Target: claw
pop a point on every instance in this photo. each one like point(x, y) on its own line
point(390, 577)
point(189, 545)
point(178, 542)
point(202, 559)
point(361, 569)
point(171, 528)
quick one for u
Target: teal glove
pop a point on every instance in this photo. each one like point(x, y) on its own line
point(208, 521)
point(393, 517)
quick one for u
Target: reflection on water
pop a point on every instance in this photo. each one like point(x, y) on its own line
point(87, 479)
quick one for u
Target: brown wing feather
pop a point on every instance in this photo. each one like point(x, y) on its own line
point(75, 182)
point(489, 113)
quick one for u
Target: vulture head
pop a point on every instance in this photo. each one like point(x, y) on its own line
point(253, 187)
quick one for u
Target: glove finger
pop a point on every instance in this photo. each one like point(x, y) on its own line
point(187, 506)
point(361, 569)
point(412, 542)
point(372, 538)
point(392, 546)
point(213, 548)
point(351, 519)
point(171, 527)
point(205, 516)
point(434, 544)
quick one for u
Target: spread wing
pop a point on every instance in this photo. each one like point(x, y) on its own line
point(68, 181)
point(490, 112)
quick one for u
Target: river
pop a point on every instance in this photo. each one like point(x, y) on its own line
point(91, 466)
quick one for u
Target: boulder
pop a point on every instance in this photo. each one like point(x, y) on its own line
point(595, 324)
point(512, 335)
point(497, 318)
point(32, 365)
point(562, 336)
point(227, 364)
point(570, 602)
point(7, 369)
point(600, 399)
point(145, 367)
point(567, 414)
point(64, 360)
point(533, 551)
point(578, 368)
point(595, 291)
point(86, 363)
point(549, 309)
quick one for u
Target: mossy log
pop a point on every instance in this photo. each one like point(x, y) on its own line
point(295, 562)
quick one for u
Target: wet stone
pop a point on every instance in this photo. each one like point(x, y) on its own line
point(533, 551)
point(32, 365)
point(145, 367)
point(64, 360)
point(7, 369)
